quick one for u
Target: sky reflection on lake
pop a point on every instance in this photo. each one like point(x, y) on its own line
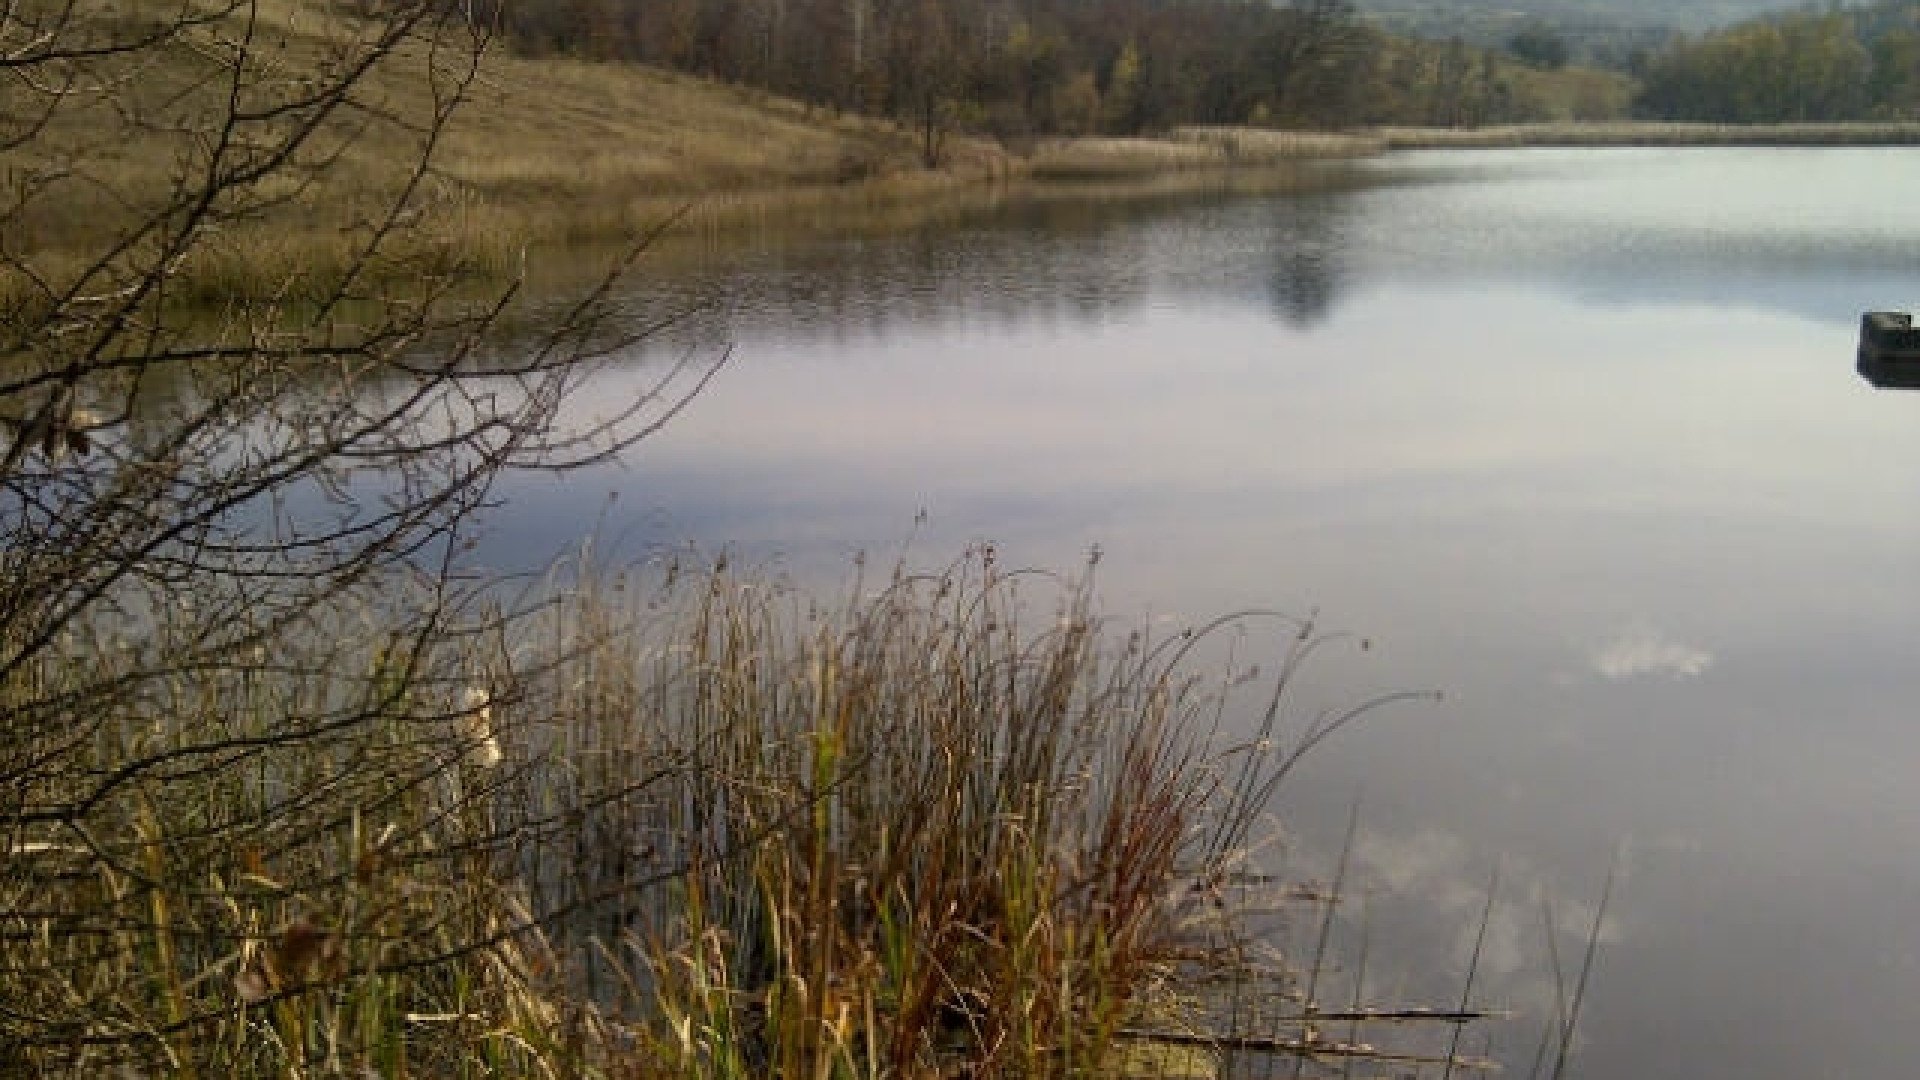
point(1574, 436)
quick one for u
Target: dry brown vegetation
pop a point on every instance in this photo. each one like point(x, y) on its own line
point(569, 150)
point(674, 823)
point(545, 151)
point(1190, 149)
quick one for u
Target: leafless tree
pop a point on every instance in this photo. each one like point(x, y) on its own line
point(235, 489)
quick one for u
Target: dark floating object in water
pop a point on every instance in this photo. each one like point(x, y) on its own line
point(1889, 349)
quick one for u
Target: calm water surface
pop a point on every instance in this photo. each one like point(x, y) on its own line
point(1572, 436)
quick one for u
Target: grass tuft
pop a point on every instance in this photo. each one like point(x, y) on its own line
point(671, 822)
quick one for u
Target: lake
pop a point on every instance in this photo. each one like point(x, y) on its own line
point(1571, 436)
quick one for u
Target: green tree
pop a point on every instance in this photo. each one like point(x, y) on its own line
point(1795, 68)
point(1122, 99)
point(1895, 84)
point(1540, 47)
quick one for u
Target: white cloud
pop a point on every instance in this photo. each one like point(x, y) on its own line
point(1643, 649)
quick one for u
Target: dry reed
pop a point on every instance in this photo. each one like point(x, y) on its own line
point(667, 823)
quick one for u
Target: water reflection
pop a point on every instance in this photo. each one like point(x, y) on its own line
point(1045, 264)
point(1576, 439)
point(1040, 262)
point(1818, 233)
point(1307, 245)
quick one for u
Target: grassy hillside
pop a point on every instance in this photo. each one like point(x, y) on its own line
point(537, 151)
point(550, 125)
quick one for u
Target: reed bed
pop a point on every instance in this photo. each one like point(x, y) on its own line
point(1193, 148)
point(1654, 134)
point(675, 822)
point(1267, 146)
point(1105, 159)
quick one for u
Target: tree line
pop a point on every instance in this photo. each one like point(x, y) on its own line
point(1827, 65)
point(1016, 69)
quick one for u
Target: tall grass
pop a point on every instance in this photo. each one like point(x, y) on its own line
point(906, 833)
point(1189, 149)
point(664, 823)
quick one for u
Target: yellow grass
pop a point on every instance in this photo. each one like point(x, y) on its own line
point(1262, 146)
point(1191, 148)
point(1077, 159)
point(544, 152)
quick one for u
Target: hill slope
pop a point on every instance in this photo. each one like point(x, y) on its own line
point(539, 149)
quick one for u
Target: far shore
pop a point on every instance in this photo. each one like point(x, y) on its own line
point(1241, 147)
point(500, 230)
point(1192, 159)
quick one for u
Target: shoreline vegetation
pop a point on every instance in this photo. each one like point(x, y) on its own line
point(893, 191)
point(680, 821)
point(526, 215)
point(1229, 148)
point(531, 219)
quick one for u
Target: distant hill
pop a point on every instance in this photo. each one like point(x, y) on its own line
point(1602, 31)
point(1687, 15)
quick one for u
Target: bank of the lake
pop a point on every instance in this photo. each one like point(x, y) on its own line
point(546, 155)
point(825, 171)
